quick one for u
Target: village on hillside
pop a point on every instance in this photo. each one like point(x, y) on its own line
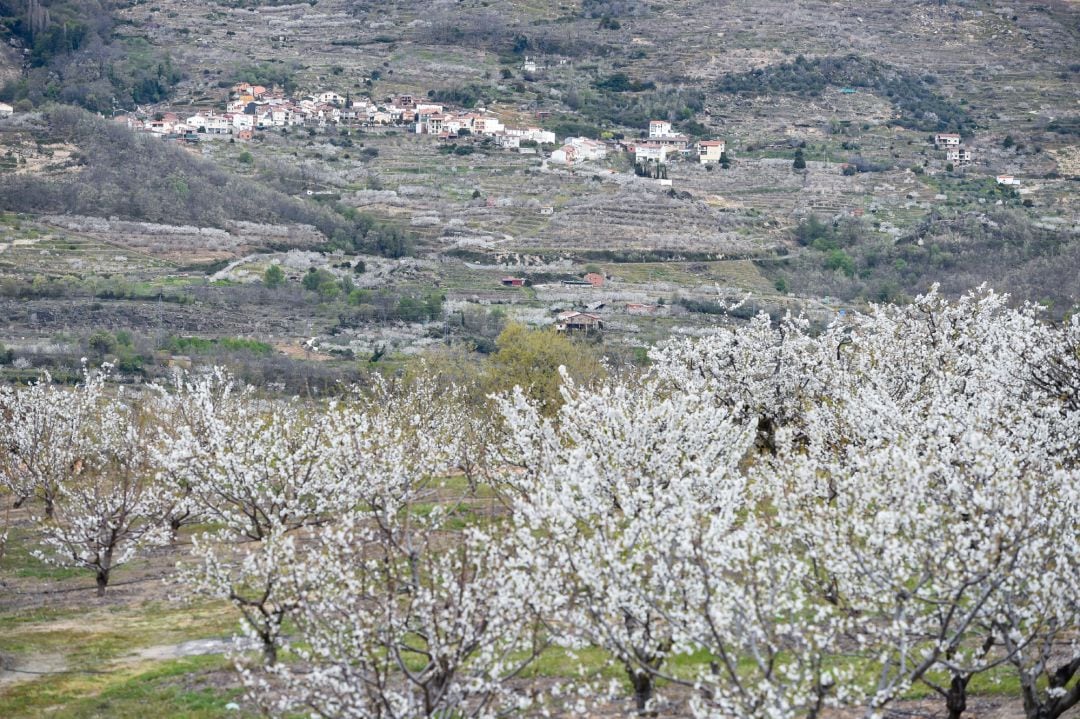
point(255, 108)
point(251, 109)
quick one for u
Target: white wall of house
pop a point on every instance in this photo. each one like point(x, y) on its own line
point(709, 152)
point(643, 153)
point(659, 128)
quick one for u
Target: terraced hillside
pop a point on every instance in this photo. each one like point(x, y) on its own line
point(853, 92)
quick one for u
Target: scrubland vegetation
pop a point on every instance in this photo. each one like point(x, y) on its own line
point(766, 522)
point(79, 55)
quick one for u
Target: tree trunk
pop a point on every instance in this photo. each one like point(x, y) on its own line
point(175, 523)
point(956, 696)
point(643, 689)
point(269, 650)
point(102, 581)
point(1056, 706)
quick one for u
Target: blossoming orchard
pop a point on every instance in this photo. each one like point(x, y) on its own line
point(768, 521)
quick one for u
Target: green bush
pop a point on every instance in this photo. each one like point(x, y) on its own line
point(324, 282)
point(274, 276)
point(206, 346)
point(837, 259)
point(101, 343)
point(621, 82)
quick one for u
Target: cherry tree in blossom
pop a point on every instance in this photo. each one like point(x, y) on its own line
point(104, 508)
point(601, 494)
point(402, 618)
point(43, 437)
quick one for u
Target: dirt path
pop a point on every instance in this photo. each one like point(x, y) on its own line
point(193, 648)
point(16, 670)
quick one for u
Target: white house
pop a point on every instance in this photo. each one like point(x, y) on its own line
point(946, 139)
point(330, 97)
point(650, 152)
point(380, 117)
point(161, 127)
point(565, 155)
point(588, 149)
point(709, 151)
point(454, 124)
point(579, 149)
point(508, 141)
point(543, 137)
point(1008, 180)
point(6, 110)
point(958, 155)
point(243, 122)
point(487, 125)
point(659, 128)
point(217, 125)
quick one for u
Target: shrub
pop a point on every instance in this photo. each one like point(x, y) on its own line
point(837, 259)
point(273, 276)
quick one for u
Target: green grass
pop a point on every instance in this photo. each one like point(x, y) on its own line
point(18, 560)
point(177, 688)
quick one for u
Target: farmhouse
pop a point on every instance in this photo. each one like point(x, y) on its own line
point(710, 151)
point(958, 156)
point(513, 281)
point(578, 322)
point(595, 279)
point(6, 110)
point(946, 139)
point(1008, 180)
